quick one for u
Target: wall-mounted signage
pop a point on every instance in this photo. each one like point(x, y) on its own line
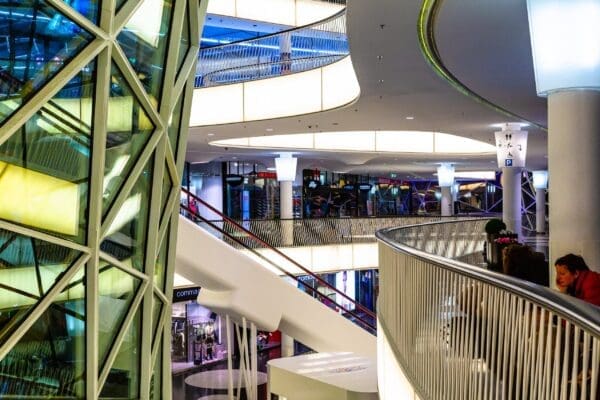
point(185, 294)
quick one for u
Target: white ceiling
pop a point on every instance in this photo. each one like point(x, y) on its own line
point(484, 43)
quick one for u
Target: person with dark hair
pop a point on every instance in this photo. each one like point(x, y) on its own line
point(520, 261)
point(574, 277)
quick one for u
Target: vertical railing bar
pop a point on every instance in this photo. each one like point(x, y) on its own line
point(574, 363)
point(565, 363)
point(584, 367)
point(595, 368)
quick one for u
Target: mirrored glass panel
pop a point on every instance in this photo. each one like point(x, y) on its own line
point(174, 125)
point(145, 40)
point(45, 165)
point(49, 360)
point(184, 45)
point(156, 384)
point(161, 263)
point(37, 42)
point(87, 8)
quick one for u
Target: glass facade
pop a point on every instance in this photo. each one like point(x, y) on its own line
point(88, 134)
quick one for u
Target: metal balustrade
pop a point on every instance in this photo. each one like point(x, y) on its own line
point(294, 50)
point(459, 331)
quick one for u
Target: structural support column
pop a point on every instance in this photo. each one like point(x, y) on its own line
point(511, 199)
point(287, 345)
point(445, 174)
point(573, 159)
point(447, 205)
point(286, 173)
point(540, 183)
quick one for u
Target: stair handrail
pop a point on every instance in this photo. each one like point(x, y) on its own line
point(281, 254)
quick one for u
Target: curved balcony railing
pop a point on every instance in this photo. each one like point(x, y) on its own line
point(450, 330)
point(295, 50)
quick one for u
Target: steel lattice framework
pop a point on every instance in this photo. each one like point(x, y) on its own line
point(94, 102)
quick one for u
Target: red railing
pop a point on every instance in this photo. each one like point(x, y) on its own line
point(232, 225)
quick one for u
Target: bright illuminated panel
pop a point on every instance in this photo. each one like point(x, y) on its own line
point(340, 86)
point(221, 7)
point(565, 43)
point(445, 143)
point(218, 105)
point(359, 141)
point(308, 11)
point(128, 211)
point(241, 142)
point(405, 142)
point(38, 200)
point(297, 141)
point(485, 175)
point(146, 21)
point(275, 11)
point(283, 96)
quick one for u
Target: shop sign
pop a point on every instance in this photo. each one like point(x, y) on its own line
point(267, 175)
point(185, 294)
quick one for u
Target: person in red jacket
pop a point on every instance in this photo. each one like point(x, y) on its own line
point(574, 277)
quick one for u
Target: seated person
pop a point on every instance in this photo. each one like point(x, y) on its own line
point(574, 277)
point(520, 261)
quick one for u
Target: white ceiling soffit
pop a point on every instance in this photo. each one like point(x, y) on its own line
point(285, 12)
point(321, 89)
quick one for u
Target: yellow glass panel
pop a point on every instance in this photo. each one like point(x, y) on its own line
point(38, 200)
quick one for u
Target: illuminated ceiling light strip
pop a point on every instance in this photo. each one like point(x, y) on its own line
point(366, 141)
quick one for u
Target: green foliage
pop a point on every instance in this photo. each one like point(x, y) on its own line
point(494, 225)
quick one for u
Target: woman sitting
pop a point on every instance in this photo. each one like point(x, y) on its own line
point(574, 277)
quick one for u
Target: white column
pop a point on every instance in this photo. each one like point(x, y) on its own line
point(511, 199)
point(286, 205)
point(447, 203)
point(540, 210)
point(287, 345)
point(573, 167)
point(286, 173)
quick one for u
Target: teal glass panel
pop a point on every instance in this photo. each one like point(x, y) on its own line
point(145, 39)
point(45, 165)
point(175, 124)
point(157, 307)
point(185, 42)
point(49, 360)
point(87, 8)
point(156, 384)
point(167, 186)
point(126, 237)
point(116, 292)
point(129, 130)
point(123, 379)
point(29, 268)
point(39, 41)
point(161, 263)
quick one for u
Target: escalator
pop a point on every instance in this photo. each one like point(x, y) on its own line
point(237, 284)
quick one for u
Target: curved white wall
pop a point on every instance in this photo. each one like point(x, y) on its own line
point(285, 12)
point(317, 90)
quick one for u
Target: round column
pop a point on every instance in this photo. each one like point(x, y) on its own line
point(447, 203)
point(573, 167)
point(540, 210)
point(445, 174)
point(286, 173)
point(511, 199)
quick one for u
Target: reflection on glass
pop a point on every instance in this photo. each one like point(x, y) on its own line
point(49, 360)
point(123, 378)
point(156, 385)
point(117, 289)
point(45, 165)
point(42, 41)
point(129, 129)
point(185, 39)
point(174, 125)
point(28, 270)
point(161, 263)
point(156, 310)
point(87, 8)
point(126, 237)
point(167, 185)
point(144, 40)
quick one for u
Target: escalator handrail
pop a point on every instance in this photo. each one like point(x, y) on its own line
point(279, 253)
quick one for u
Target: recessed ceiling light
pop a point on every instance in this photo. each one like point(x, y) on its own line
point(381, 81)
point(410, 117)
point(269, 129)
point(210, 134)
point(380, 57)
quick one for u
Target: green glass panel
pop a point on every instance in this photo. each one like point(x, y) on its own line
point(123, 379)
point(184, 45)
point(116, 291)
point(28, 270)
point(145, 39)
point(45, 165)
point(174, 125)
point(167, 186)
point(129, 129)
point(161, 263)
point(126, 237)
point(156, 384)
point(87, 8)
point(49, 360)
point(157, 307)
point(39, 41)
